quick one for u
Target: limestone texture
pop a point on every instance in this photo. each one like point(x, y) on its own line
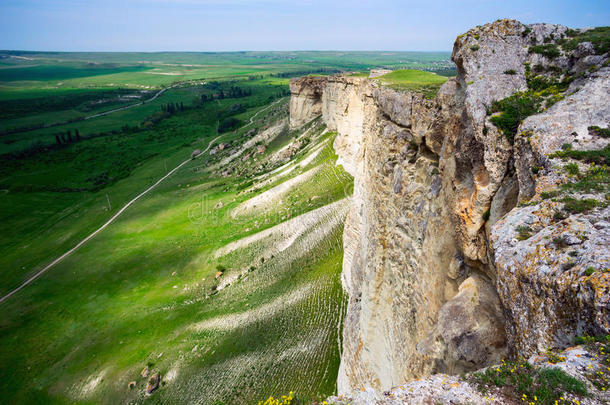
point(455, 256)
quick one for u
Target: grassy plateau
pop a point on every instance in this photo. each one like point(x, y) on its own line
point(224, 279)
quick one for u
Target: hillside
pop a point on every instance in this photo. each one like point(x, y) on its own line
point(216, 293)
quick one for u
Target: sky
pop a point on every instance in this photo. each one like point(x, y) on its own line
point(234, 25)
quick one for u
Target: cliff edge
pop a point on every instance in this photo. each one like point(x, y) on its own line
point(479, 226)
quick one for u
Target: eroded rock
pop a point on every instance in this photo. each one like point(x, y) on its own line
point(435, 211)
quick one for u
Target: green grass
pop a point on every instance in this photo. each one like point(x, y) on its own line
point(579, 206)
point(413, 80)
point(49, 73)
point(598, 36)
point(110, 309)
point(522, 382)
point(549, 50)
point(602, 132)
point(597, 156)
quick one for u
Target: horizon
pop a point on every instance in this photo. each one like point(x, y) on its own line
point(267, 25)
point(237, 51)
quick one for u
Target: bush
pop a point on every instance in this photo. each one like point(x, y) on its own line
point(475, 47)
point(513, 110)
point(523, 383)
point(572, 169)
point(603, 132)
point(549, 50)
point(525, 232)
point(510, 72)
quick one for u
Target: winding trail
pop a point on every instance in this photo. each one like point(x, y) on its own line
point(119, 212)
point(153, 98)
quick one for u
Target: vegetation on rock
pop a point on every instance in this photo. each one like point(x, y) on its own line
point(522, 382)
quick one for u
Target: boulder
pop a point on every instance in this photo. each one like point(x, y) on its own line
point(153, 383)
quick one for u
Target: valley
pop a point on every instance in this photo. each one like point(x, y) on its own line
point(220, 277)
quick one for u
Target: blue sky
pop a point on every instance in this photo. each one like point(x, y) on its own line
point(216, 25)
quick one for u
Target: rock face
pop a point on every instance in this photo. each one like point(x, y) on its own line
point(305, 99)
point(578, 362)
point(437, 279)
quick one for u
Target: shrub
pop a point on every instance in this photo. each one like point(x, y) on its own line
point(589, 270)
point(603, 132)
point(553, 357)
point(475, 47)
point(572, 169)
point(525, 232)
point(513, 110)
point(510, 72)
point(549, 50)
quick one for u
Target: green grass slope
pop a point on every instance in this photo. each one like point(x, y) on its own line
point(145, 291)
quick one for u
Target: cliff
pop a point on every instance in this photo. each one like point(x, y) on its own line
point(479, 227)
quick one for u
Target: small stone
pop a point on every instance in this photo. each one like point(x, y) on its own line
point(131, 385)
point(144, 372)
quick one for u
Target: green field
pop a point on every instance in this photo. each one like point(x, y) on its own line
point(413, 80)
point(225, 278)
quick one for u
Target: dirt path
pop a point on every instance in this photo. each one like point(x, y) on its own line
point(119, 212)
point(153, 98)
point(56, 124)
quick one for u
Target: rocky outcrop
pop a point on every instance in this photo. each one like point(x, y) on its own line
point(305, 99)
point(438, 275)
point(579, 362)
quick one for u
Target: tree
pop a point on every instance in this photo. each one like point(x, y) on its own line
point(57, 139)
point(77, 134)
point(69, 136)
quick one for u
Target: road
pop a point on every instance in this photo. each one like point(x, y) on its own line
point(153, 98)
point(55, 124)
point(119, 212)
